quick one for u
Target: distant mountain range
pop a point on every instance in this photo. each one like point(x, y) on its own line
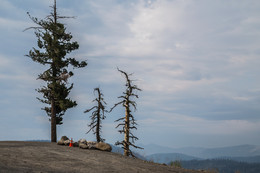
point(120, 150)
point(168, 157)
point(252, 159)
point(242, 158)
point(241, 153)
point(204, 153)
point(222, 166)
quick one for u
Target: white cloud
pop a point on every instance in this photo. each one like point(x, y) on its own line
point(153, 37)
point(4, 61)
point(184, 50)
point(242, 98)
point(197, 126)
point(13, 24)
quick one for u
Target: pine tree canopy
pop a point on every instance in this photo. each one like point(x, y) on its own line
point(54, 43)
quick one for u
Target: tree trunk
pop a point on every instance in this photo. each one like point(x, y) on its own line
point(53, 107)
point(98, 117)
point(55, 12)
point(98, 128)
point(126, 141)
point(53, 121)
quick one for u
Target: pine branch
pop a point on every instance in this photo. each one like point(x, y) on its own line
point(121, 124)
point(135, 146)
point(119, 119)
point(116, 106)
point(88, 110)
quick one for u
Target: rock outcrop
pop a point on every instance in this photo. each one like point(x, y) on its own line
point(67, 142)
point(91, 145)
point(48, 157)
point(84, 141)
point(103, 146)
point(63, 141)
point(84, 144)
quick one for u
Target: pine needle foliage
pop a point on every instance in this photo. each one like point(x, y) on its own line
point(54, 43)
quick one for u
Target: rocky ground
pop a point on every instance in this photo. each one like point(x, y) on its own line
point(50, 157)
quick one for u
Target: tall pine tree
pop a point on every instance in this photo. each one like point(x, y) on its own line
point(54, 43)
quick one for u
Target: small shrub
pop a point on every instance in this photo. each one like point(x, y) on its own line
point(176, 164)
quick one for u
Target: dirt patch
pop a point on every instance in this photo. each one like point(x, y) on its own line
point(49, 157)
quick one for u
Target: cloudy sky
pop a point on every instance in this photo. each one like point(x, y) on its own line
point(197, 62)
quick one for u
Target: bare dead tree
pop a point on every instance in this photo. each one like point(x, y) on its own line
point(97, 115)
point(129, 122)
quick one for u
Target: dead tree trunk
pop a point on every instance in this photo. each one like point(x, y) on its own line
point(129, 121)
point(126, 143)
point(97, 115)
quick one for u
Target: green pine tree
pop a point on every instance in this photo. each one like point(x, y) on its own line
point(54, 43)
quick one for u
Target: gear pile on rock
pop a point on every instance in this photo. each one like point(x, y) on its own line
point(84, 144)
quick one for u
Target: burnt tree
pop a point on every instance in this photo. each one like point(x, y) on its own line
point(97, 115)
point(128, 122)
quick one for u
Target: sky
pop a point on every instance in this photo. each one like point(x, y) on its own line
point(196, 61)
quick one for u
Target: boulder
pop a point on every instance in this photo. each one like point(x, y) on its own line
point(103, 146)
point(67, 142)
point(82, 141)
point(62, 140)
point(91, 144)
point(83, 146)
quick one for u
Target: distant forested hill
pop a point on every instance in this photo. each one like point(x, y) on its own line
point(168, 157)
point(222, 165)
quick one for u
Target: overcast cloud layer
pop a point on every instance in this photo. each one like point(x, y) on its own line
point(197, 63)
